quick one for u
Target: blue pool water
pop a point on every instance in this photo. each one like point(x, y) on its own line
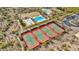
point(38, 18)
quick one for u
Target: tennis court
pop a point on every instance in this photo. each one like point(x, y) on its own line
point(30, 40)
point(41, 37)
point(56, 28)
point(48, 31)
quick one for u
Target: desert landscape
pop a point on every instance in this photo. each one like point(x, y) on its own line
point(17, 22)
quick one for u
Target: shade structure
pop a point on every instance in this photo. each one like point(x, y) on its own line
point(28, 22)
point(56, 28)
point(30, 40)
point(41, 37)
point(48, 31)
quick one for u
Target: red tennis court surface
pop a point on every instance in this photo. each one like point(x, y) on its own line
point(39, 35)
point(30, 40)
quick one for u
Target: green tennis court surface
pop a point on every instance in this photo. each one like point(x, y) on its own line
point(48, 31)
point(40, 36)
point(29, 39)
point(56, 28)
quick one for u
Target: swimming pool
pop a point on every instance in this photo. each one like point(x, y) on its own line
point(38, 18)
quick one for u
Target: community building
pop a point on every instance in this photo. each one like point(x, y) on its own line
point(47, 11)
point(28, 22)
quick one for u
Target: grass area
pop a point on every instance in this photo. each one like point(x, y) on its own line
point(72, 10)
